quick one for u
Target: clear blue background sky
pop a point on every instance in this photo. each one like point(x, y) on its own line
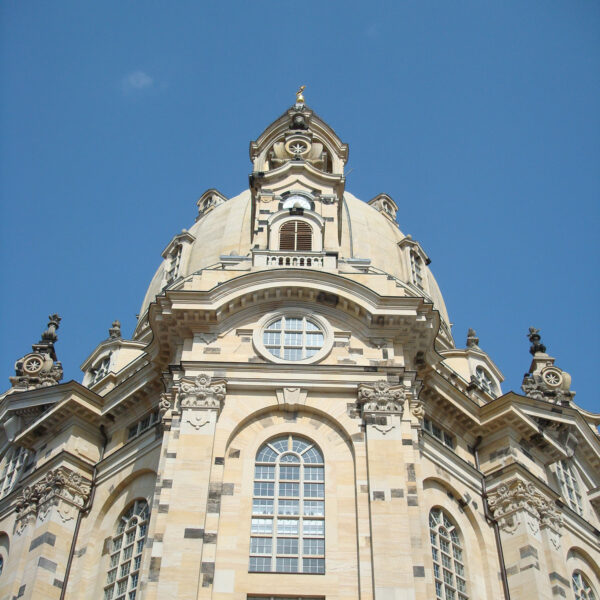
point(481, 119)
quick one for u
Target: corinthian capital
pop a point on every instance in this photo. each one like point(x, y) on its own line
point(202, 393)
point(60, 487)
point(381, 398)
point(516, 497)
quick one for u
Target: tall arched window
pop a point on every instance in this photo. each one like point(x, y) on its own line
point(485, 381)
point(288, 508)
point(13, 465)
point(417, 269)
point(126, 553)
point(569, 486)
point(295, 236)
point(582, 587)
point(448, 560)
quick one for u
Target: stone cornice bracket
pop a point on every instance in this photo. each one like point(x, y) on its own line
point(165, 408)
point(201, 393)
point(381, 399)
point(61, 487)
point(510, 500)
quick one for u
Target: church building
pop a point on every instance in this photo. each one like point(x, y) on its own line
point(292, 419)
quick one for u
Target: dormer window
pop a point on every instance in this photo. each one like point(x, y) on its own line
point(485, 381)
point(173, 263)
point(416, 265)
point(101, 371)
point(295, 236)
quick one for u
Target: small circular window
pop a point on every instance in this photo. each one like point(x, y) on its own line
point(293, 337)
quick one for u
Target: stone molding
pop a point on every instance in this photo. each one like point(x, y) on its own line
point(512, 498)
point(61, 488)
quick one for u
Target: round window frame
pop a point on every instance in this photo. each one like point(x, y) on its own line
point(266, 320)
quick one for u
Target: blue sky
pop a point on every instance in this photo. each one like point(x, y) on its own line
point(479, 118)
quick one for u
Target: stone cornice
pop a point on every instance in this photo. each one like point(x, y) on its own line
point(74, 406)
point(177, 312)
point(529, 414)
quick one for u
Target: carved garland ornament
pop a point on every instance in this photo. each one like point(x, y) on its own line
point(61, 487)
point(514, 496)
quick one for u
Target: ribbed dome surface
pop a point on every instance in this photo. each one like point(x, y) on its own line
point(226, 231)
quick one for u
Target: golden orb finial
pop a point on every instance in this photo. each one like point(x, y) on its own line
point(299, 96)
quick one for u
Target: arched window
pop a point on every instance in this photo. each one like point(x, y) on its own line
point(416, 269)
point(100, 371)
point(288, 508)
point(485, 381)
point(173, 264)
point(448, 560)
point(126, 553)
point(581, 587)
point(569, 486)
point(295, 236)
point(15, 462)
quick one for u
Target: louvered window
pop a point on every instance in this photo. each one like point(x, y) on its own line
point(295, 236)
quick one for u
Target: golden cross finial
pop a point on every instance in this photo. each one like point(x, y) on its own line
point(299, 96)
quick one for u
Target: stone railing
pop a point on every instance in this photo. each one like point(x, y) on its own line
point(300, 260)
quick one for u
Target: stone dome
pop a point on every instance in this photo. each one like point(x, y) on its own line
point(367, 233)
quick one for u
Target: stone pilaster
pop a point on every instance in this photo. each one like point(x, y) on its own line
point(47, 512)
point(393, 483)
point(180, 562)
point(530, 524)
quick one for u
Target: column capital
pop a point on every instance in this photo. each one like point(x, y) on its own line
point(516, 497)
point(382, 398)
point(61, 487)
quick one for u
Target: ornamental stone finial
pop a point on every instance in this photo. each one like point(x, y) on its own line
point(49, 336)
point(472, 339)
point(545, 381)
point(299, 95)
point(114, 333)
point(39, 368)
point(535, 338)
